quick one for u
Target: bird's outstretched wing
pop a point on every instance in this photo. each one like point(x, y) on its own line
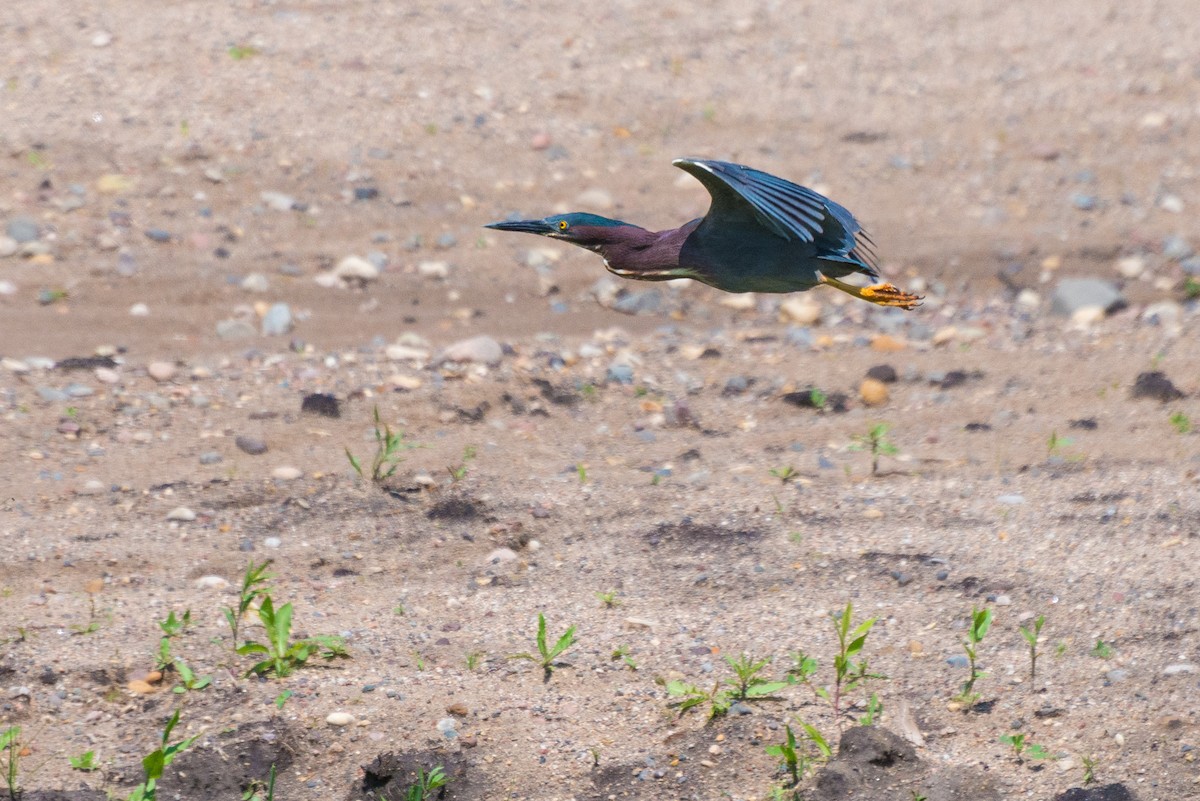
point(788, 210)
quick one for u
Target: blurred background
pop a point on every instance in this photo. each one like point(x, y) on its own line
point(987, 147)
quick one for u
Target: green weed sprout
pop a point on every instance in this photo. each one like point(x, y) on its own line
point(459, 472)
point(747, 683)
point(875, 442)
point(718, 700)
point(609, 599)
point(426, 784)
point(874, 710)
point(1181, 422)
point(981, 621)
point(1022, 748)
point(260, 790)
point(253, 581)
point(388, 447)
point(1089, 769)
point(85, 761)
point(10, 746)
point(173, 626)
point(284, 656)
point(188, 679)
point(784, 474)
point(1030, 634)
point(622, 652)
point(1102, 650)
point(848, 675)
point(473, 660)
point(795, 756)
point(154, 763)
point(547, 656)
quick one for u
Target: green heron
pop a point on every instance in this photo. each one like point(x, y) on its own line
point(761, 234)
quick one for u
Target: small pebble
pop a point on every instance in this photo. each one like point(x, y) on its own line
point(287, 473)
point(211, 583)
point(161, 371)
point(250, 445)
point(339, 719)
point(181, 514)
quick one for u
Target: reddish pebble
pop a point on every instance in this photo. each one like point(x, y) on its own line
point(540, 140)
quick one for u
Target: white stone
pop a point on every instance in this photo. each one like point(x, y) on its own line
point(480, 350)
point(279, 201)
point(339, 718)
point(1131, 266)
point(14, 365)
point(101, 39)
point(8, 246)
point(161, 371)
point(500, 555)
point(211, 583)
point(355, 268)
point(1087, 315)
point(181, 514)
point(405, 353)
point(434, 269)
point(287, 473)
point(139, 310)
point(255, 282)
point(106, 375)
point(801, 310)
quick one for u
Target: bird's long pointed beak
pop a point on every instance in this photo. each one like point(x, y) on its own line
point(524, 226)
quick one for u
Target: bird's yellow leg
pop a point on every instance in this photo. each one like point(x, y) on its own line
point(879, 294)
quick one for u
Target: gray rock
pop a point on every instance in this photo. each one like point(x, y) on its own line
point(158, 235)
point(1083, 201)
point(1181, 669)
point(446, 240)
point(479, 350)
point(235, 329)
point(51, 395)
point(620, 373)
point(1073, 294)
point(22, 229)
point(646, 301)
point(277, 321)
point(1116, 675)
point(210, 457)
point(1191, 266)
point(1011, 500)
point(250, 445)
point(1176, 248)
point(958, 661)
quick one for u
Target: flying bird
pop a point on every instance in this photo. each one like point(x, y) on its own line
point(761, 234)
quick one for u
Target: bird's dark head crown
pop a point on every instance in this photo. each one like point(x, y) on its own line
point(579, 228)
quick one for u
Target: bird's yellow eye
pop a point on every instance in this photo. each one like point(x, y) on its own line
point(563, 225)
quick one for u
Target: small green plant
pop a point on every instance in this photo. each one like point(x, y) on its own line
point(1181, 423)
point(690, 696)
point(1060, 649)
point(240, 52)
point(817, 398)
point(1030, 633)
point(848, 675)
point(795, 752)
point(1021, 748)
point(794, 762)
point(609, 599)
point(581, 472)
point(188, 680)
point(459, 472)
point(1089, 769)
point(1191, 287)
point(173, 626)
point(85, 761)
point(473, 660)
point(10, 747)
point(425, 785)
point(260, 790)
point(876, 443)
point(918, 796)
point(282, 698)
point(1102, 650)
point(388, 447)
point(622, 652)
point(284, 656)
point(547, 656)
point(164, 661)
point(418, 661)
point(1055, 443)
point(746, 682)
point(784, 474)
point(873, 711)
point(981, 621)
point(154, 762)
point(253, 587)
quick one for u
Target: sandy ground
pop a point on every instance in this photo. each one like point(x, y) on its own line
point(988, 149)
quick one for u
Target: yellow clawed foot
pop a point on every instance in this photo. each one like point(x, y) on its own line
point(879, 294)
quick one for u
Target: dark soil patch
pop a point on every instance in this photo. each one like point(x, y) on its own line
point(390, 775)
